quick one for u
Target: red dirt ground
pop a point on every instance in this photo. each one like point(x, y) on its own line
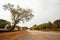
point(9, 35)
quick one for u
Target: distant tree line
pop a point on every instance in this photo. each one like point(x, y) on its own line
point(47, 26)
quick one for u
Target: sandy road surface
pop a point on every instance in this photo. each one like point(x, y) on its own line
point(38, 35)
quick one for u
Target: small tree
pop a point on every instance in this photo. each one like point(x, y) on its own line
point(18, 14)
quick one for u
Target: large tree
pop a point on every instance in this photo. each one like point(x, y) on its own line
point(18, 14)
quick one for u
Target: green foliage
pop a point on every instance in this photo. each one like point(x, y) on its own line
point(24, 28)
point(3, 23)
point(47, 26)
point(34, 27)
point(57, 24)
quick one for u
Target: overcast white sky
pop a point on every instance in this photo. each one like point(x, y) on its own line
point(44, 10)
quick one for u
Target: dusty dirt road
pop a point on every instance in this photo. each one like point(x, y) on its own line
point(10, 35)
point(37, 35)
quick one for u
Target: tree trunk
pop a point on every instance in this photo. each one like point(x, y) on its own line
point(12, 28)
